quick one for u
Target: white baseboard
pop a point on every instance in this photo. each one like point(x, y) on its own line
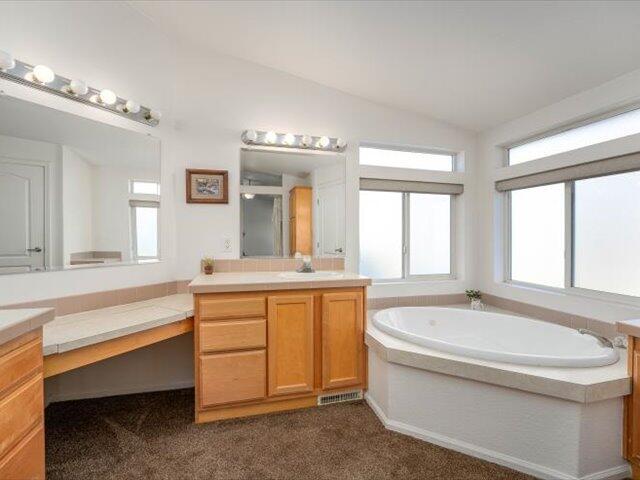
point(118, 391)
point(540, 471)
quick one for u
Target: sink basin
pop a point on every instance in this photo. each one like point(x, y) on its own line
point(311, 276)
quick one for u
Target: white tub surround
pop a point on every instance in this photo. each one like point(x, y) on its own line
point(260, 281)
point(16, 322)
point(495, 336)
point(554, 423)
point(70, 332)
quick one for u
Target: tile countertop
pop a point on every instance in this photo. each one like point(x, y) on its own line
point(77, 330)
point(16, 322)
point(584, 385)
point(629, 327)
point(255, 281)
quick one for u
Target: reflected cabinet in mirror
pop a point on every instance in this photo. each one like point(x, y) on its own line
point(292, 202)
point(74, 192)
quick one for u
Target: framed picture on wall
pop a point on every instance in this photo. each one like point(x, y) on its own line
point(207, 186)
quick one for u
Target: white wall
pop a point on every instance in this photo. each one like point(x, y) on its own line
point(207, 99)
point(609, 96)
point(77, 204)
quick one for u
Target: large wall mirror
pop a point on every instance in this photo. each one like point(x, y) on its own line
point(292, 202)
point(74, 192)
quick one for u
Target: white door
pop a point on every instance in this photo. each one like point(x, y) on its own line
point(21, 217)
point(331, 207)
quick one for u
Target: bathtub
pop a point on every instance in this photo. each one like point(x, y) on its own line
point(529, 395)
point(494, 336)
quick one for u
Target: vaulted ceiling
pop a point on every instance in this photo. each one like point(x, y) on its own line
point(474, 64)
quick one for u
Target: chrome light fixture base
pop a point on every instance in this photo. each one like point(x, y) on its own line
point(22, 73)
point(290, 140)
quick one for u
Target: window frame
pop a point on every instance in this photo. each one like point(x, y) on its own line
point(406, 248)
point(132, 183)
point(434, 151)
point(580, 122)
point(133, 204)
point(569, 257)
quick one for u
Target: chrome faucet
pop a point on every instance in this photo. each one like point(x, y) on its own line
point(602, 340)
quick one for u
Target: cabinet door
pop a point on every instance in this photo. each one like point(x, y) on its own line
point(290, 344)
point(342, 339)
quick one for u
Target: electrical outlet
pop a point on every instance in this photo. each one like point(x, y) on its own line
point(226, 245)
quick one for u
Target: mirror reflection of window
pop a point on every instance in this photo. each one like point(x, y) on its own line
point(144, 223)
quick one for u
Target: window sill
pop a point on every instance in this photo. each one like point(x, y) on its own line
point(579, 293)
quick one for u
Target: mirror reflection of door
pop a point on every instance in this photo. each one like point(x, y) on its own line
point(22, 236)
point(331, 214)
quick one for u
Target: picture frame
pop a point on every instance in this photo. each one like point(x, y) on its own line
point(207, 186)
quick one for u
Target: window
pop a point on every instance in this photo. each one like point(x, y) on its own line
point(404, 234)
point(537, 235)
point(144, 187)
point(406, 159)
point(578, 235)
point(144, 230)
point(607, 234)
point(617, 126)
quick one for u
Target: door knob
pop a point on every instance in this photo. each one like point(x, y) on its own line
point(338, 250)
point(36, 249)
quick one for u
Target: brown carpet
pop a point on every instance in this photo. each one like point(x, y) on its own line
point(152, 436)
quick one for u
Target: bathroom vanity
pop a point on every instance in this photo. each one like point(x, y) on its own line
point(273, 341)
point(21, 393)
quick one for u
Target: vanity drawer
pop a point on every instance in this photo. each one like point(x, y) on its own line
point(19, 363)
point(212, 308)
point(232, 377)
point(233, 335)
point(19, 412)
point(26, 460)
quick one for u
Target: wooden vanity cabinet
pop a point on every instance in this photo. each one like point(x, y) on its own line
point(631, 445)
point(22, 408)
point(300, 227)
point(260, 352)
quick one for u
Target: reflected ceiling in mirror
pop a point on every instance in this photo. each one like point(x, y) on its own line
point(74, 192)
point(292, 202)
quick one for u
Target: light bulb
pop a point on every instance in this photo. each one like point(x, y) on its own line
point(78, 87)
point(107, 97)
point(154, 115)
point(305, 141)
point(324, 142)
point(289, 139)
point(270, 137)
point(7, 62)
point(43, 74)
point(340, 143)
point(250, 136)
point(131, 107)
point(249, 196)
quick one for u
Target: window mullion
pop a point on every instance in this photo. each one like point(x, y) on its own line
point(568, 234)
point(405, 235)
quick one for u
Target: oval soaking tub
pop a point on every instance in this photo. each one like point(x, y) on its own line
point(495, 336)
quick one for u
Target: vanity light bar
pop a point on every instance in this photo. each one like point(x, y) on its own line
point(43, 78)
point(290, 140)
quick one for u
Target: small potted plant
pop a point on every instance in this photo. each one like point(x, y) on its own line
point(476, 299)
point(207, 265)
